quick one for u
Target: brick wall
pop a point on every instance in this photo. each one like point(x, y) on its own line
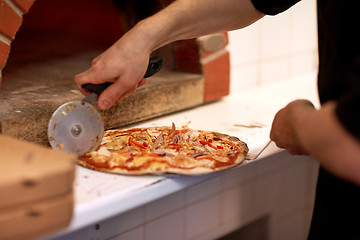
point(56, 28)
point(207, 55)
point(11, 13)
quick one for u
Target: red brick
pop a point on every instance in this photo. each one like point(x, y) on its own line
point(4, 53)
point(10, 20)
point(187, 56)
point(23, 5)
point(217, 77)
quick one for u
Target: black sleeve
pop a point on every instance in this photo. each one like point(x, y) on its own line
point(273, 7)
point(348, 109)
point(339, 59)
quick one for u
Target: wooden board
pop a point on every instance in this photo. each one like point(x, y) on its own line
point(30, 172)
point(36, 189)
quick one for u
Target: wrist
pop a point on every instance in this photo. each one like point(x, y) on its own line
point(301, 112)
point(155, 32)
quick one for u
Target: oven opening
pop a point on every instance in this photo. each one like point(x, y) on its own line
point(58, 39)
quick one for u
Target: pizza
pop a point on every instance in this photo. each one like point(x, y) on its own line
point(165, 150)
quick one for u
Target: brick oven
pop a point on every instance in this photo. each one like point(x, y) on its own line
point(43, 44)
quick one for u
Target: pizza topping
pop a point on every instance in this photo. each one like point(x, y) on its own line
point(175, 138)
point(173, 128)
point(158, 140)
point(198, 154)
point(104, 151)
point(148, 138)
point(159, 153)
point(133, 142)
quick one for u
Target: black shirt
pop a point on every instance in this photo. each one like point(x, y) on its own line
point(337, 205)
point(339, 54)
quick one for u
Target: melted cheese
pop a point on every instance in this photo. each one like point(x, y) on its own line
point(104, 151)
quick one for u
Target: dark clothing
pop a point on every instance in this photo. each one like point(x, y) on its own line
point(339, 59)
point(337, 204)
point(336, 213)
point(273, 7)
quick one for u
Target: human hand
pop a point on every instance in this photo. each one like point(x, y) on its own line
point(124, 64)
point(284, 132)
point(155, 64)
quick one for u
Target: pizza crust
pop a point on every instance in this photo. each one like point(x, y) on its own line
point(169, 170)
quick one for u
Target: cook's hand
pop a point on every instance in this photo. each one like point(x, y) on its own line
point(283, 131)
point(123, 64)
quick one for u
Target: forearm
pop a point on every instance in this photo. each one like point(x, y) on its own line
point(185, 19)
point(324, 137)
point(125, 62)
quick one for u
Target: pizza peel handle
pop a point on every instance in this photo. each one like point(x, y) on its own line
point(155, 64)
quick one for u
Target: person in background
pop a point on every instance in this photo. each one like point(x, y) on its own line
point(330, 134)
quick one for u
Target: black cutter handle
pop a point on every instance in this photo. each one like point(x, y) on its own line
point(155, 64)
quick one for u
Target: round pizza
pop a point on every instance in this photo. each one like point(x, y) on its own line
point(165, 150)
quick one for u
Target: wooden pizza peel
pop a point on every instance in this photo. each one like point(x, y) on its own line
point(254, 154)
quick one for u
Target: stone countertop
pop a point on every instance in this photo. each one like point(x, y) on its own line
point(247, 115)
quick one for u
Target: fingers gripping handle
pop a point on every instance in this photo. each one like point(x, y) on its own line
point(155, 64)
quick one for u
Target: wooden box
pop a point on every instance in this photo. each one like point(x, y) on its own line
point(36, 189)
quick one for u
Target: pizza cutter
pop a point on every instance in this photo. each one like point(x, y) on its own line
point(77, 126)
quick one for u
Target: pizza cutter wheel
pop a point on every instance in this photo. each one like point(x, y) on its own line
point(76, 127)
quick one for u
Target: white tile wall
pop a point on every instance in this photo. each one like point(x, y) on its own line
point(170, 226)
point(237, 204)
point(274, 48)
point(203, 216)
point(202, 191)
point(164, 206)
point(118, 224)
point(133, 234)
